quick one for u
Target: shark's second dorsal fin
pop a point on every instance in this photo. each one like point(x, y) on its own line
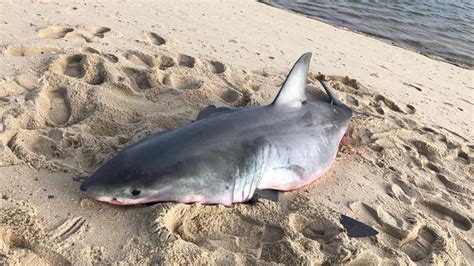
point(332, 96)
point(292, 92)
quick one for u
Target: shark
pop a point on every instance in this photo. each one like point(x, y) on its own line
point(227, 154)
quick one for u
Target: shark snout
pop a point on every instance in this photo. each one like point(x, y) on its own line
point(84, 186)
point(89, 188)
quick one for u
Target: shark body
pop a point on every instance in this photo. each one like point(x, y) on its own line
point(228, 154)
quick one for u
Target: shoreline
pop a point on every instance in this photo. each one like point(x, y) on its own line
point(374, 36)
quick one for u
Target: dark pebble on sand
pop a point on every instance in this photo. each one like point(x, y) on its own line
point(50, 197)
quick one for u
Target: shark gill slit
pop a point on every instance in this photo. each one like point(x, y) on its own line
point(252, 181)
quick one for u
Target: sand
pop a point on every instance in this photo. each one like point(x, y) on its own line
point(80, 81)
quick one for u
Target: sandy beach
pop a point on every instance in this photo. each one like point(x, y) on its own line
point(80, 81)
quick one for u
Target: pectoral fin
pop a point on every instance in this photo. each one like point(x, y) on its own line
point(269, 194)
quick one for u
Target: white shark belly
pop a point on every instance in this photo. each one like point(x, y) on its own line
point(298, 163)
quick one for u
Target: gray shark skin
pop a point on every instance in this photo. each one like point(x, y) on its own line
point(227, 154)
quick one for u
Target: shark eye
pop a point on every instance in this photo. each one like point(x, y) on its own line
point(135, 192)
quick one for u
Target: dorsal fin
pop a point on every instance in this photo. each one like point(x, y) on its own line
point(292, 92)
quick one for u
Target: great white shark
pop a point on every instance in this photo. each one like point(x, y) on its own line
point(227, 154)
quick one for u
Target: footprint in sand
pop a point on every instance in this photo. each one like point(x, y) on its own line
point(166, 62)
point(315, 228)
point(432, 166)
point(75, 66)
point(59, 108)
point(408, 193)
point(277, 253)
point(98, 31)
point(186, 61)
point(217, 67)
point(397, 226)
point(53, 32)
point(89, 50)
point(411, 109)
point(352, 101)
point(41, 251)
point(380, 110)
point(395, 191)
point(448, 213)
point(231, 231)
point(155, 39)
point(413, 192)
point(427, 150)
point(452, 185)
point(112, 58)
point(140, 78)
point(253, 86)
point(96, 74)
point(139, 58)
point(78, 36)
point(22, 50)
point(379, 101)
point(344, 84)
point(414, 238)
point(389, 103)
point(230, 95)
point(23, 231)
point(34, 149)
point(421, 246)
point(180, 82)
point(464, 157)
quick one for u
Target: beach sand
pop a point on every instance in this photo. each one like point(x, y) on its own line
point(80, 81)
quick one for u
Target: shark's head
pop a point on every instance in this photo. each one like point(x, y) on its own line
point(118, 182)
point(139, 175)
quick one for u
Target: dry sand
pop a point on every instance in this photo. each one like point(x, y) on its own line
point(78, 82)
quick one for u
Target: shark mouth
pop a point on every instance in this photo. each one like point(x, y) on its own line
point(115, 201)
point(186, 200)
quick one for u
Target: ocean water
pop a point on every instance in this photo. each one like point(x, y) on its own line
point(443, 29)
